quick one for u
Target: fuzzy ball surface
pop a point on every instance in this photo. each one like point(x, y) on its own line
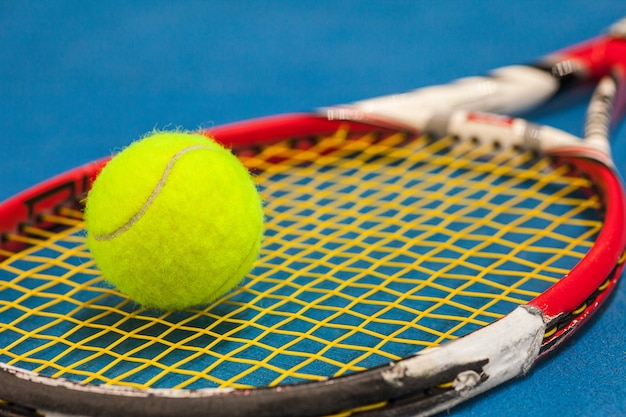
point(174, 220)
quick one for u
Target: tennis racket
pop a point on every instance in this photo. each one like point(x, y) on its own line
point(420, 249)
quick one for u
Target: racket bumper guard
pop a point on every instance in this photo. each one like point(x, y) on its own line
point(510, 346)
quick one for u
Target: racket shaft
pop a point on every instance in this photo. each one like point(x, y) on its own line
point(511, 90)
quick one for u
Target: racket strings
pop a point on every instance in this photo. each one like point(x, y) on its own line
point(375, 248)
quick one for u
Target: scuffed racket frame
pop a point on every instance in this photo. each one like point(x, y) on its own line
point(427, 382)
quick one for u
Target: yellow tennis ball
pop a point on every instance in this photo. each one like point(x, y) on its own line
point(174, 220)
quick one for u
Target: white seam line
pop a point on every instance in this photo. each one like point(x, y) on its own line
point(153, 196)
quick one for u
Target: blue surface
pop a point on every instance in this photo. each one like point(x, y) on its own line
point(79, 80)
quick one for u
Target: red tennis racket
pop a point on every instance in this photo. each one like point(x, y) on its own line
point(418, 251)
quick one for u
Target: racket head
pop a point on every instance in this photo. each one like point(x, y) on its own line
point(39, 204)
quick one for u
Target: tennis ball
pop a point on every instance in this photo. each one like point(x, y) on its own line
point(174, 220)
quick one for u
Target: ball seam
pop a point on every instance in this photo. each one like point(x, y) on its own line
point(157, 190)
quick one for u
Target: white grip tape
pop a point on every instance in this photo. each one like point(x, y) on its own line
point(511, 345)
point(511, 89)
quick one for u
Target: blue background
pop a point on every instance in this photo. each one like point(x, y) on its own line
point(79, 80)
